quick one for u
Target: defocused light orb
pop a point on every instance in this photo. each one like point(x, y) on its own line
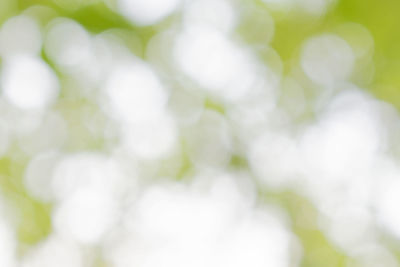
point(41, 13)
point(327, 59)
point(274, 157)
point(85, 215)
point(54, 251)
point(20, 35)
point(219, 14)
point(86, 170)
point(177, 225)
point(38, 175)
point(209, 141)
point(358, 37)
point(8, 245)
point(374, 255)
point(109, 52)
point(151, 139)
point(50, 134)
point(256, 26)
point(29, 83)
point(349, 226)
point(158, 50)
point(72, 5)
point(27, 123)
point(280, 5)
point(252, 114)
point(186, 105)
point(214, 62)
point(67, 43)
point(386, 203)
point(147, 12)
point(347, 139)
point(4, 137)
point(134, 93)
point(315, 7)
point(292, 97)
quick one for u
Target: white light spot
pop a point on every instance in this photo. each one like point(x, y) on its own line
point(20, 35)
point(281, 5)
point(209, 141)
point(314, 7)
point(215, 63)
point(67, 43)
point(85, 216)
point(152, 139)
point(7, 245)
point(387, 203)
point(49, 134)
point(358, 37)
point(347, 139)
point(54, 251)
point(29, 83)
point(216, 13)
point(374, 255)
point(186, 105)
point(87, 170)
point(179, 226)
point(38, 175)
point(135, 94)
point(147, 12)
point(275, 159)
point(349, 226)
point(327, 59)
point(4, 137)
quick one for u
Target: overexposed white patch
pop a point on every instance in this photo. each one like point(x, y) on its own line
point(147, 12)
point(29, 83)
